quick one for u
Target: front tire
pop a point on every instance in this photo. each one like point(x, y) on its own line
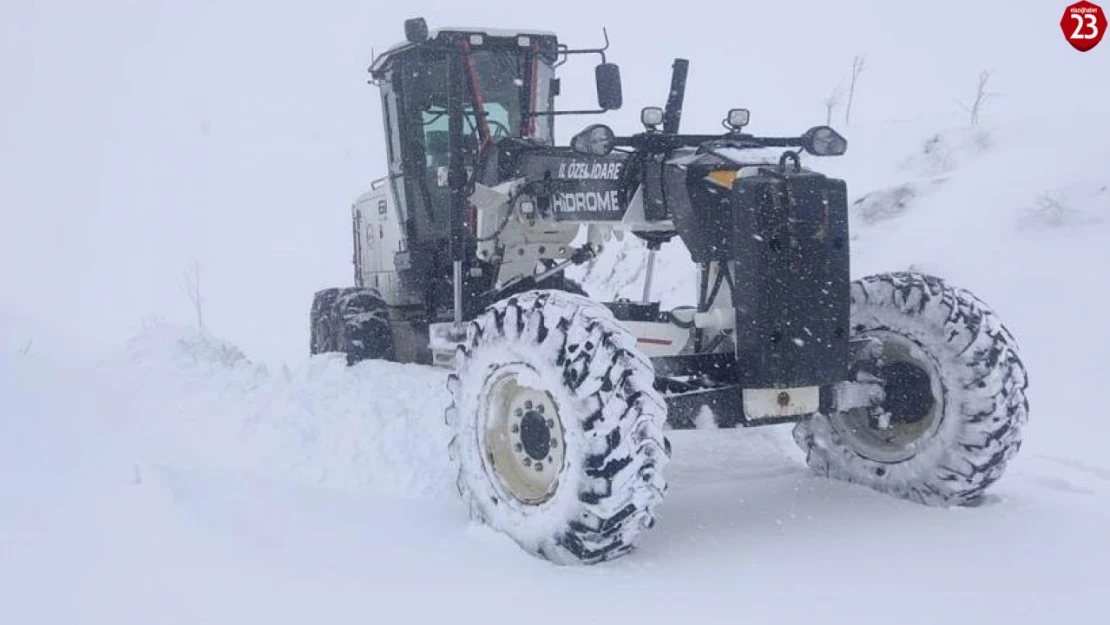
point(558, 431)
point(354, 321)
point(954, 396)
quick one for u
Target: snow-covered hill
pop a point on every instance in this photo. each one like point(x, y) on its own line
point(177, 481)
point(181, 477)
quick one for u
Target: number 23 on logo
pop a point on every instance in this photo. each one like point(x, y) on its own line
point(1083, 24)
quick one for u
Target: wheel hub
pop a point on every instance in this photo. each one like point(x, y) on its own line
point(912, 408)
point(522, 438)
point(908, 392)
point(535, 435)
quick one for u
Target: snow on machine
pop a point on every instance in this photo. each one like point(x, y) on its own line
point(560, 404)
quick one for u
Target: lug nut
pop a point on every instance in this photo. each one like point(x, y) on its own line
point(550, 423)
point(554, 443)
point(527, 461)
point(539, 467)
point(515, 428)
point(518, 448)
point(528, 405)
point(539, 409)
point(519, 413)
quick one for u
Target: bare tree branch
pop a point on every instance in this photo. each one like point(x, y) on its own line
point(831, 102)
point(858, 63)
point(981, 97)
point(191, 286)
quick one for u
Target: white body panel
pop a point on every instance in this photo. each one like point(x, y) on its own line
point(517, 241)
point(652, 338)
point(635, 218)
point(377, 237)
point(773, 403)
point(655, 339)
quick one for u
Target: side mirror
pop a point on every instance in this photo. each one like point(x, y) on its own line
point(608, 77)
point(416, 30)
point(595, 139)
point(824, 141)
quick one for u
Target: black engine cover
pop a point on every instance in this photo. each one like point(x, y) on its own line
point(789, 260)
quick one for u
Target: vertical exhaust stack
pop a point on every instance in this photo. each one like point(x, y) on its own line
point(672, 114)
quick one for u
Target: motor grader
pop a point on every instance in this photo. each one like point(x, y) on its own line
point(560, 404)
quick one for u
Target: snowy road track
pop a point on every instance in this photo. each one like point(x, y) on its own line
point(219, 492)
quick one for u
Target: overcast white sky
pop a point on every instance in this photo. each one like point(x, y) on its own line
point(137, 137)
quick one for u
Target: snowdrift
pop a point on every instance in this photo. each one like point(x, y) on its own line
point(375, 427)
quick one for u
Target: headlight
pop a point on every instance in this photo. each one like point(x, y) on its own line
point(738, 118)
point(596, 139)
point(824, 141)
point(651, 116)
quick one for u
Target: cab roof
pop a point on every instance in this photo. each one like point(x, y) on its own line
point(450, 36)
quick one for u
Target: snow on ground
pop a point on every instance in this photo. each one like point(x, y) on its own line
point(177, 479)
point(307, 423)
point(119, 510)
point(174, 480)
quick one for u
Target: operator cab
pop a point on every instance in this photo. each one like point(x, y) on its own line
point(450, 99)
point(506, 86)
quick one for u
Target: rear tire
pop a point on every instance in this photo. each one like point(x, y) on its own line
point(558, 431)
point(955, 396)
point(354, 321)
